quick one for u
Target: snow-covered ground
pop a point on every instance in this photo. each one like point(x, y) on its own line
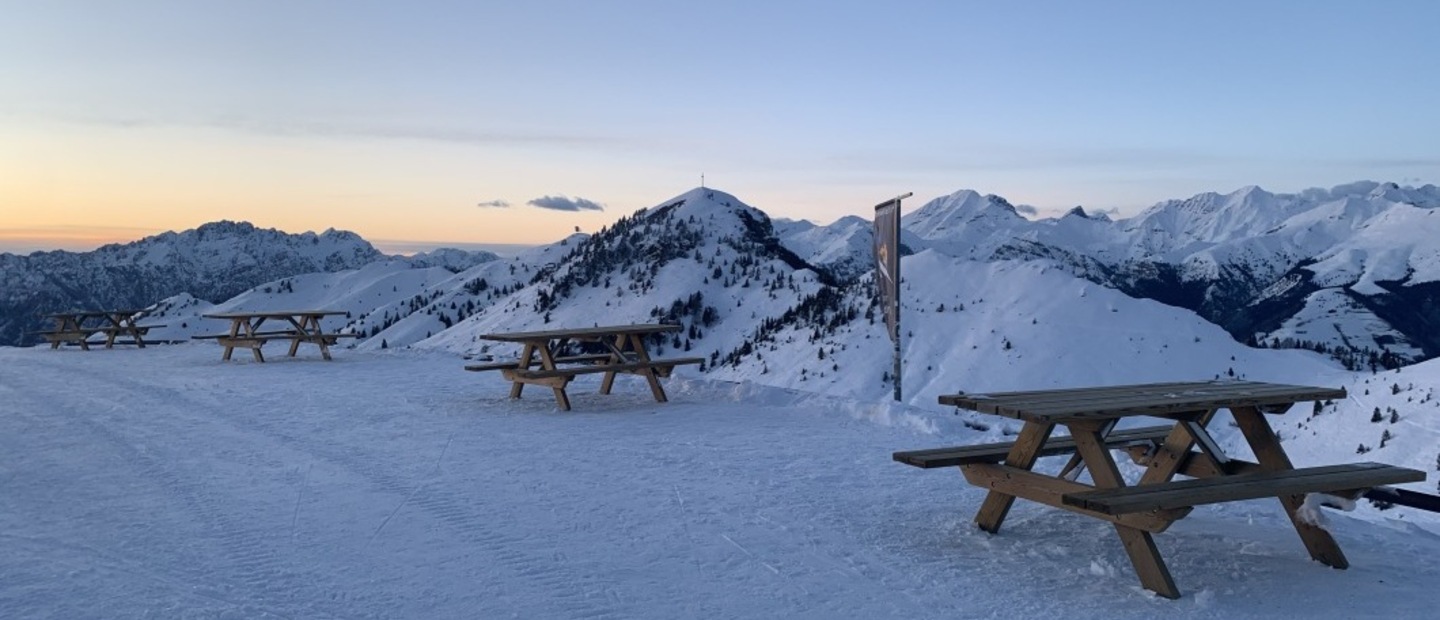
point(392, 484)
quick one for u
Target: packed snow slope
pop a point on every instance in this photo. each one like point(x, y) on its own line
point(163, 483)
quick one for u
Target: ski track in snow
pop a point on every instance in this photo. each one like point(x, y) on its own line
point(163, 483)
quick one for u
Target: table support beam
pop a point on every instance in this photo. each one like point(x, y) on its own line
point(1139, 544)
point(1022, 456)
point(1266, 446)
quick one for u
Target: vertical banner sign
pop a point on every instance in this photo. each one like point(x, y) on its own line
point(887, 264)
point(887, 272)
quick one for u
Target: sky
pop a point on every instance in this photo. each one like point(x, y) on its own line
point(478, 123)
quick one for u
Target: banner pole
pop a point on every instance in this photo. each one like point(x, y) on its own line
point(887, 274)
point(899, 331)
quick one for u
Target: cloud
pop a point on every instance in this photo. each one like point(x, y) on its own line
point(562, 203)
point(1026, 210)
point(494, 203)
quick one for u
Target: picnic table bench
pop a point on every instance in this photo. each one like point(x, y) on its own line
point(1181, 447)
point(626, 353)
point(303, 327)
point(78, 326)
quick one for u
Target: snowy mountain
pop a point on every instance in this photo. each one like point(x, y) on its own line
point(1351, 270)
point(767, 301)
point(215, 261)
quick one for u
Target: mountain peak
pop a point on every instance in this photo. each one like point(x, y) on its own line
point(963, 209)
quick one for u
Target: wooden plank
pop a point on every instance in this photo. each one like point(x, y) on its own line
point(976, 400)
point(1022, 456)
point(1267, 449)
point(1139, 544)
point(1194, 464)
point(242, 342)
point(618, 346)
point(1166, 459)
point(594, 368)
point(568, 359)
point(495, 366)
point(1404, 497)
point(1181, 493)
point(278, 333)
point(584, 333)
point(271, 314)
point(550, 382)
point(637, 344)
point(1144, 399)
point(1050, 490)
point(1147, 404)
point(995, 452)
point(527, 357)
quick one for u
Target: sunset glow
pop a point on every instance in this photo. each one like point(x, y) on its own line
point(399, 122)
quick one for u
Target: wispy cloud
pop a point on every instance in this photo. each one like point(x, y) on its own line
point(1026, 210)
point(494, 203)
point(562, 203)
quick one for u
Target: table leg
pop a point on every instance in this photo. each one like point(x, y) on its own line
point(1023, 455)
point(617, 355)
point(638, 342)
point(62, 324)
point(84, 340)
point(250, 329)
point(1139, 544)
point(111, 334)
point(1272, 457)
point(525, 357)
point(300, 332)
point(319, 336)
point(134, 330)
point(547, 362)
point(234, 332)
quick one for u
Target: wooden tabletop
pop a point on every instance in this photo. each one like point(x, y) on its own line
point(91, 313)
point(584, 332)
point(1157, 399)
point(271, 314)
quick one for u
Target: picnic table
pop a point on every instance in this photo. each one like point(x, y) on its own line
point(301, 326)
point(79, 325)
point(624, 352)
point(1182, 446)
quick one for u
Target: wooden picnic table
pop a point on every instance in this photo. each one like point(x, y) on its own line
point(79, 325)
point(1182, 446)
point(624, 352)
point(302, 326)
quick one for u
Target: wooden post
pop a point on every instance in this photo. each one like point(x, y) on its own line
point(547, 362)
point(1139, 544)
point(525, 356)
point(1272, 457)
point(1023, 456)
point(617, 356)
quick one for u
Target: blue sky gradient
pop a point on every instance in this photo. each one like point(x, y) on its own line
point(308, 115)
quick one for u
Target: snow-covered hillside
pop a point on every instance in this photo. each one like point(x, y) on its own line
point(213, 262)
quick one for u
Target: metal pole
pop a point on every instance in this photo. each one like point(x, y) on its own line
point(899, 333)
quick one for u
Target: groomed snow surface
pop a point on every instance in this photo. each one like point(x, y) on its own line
point(163, 483)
